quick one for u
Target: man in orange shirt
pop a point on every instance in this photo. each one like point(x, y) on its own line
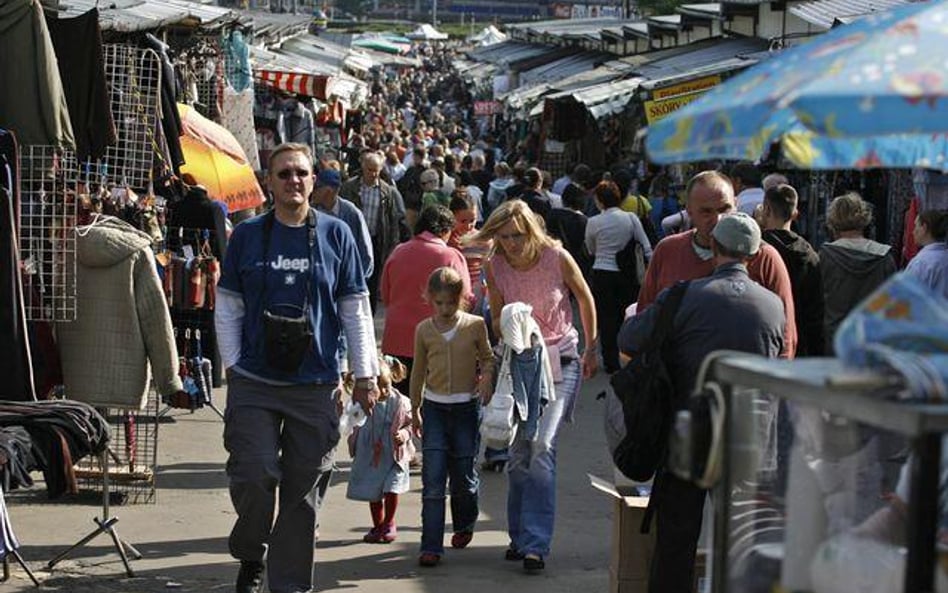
point(686, 256)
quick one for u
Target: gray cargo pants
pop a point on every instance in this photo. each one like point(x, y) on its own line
point(278, 437)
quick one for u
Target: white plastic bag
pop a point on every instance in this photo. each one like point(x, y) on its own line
point(498, 425)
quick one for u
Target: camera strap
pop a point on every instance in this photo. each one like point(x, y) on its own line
point(267, 233)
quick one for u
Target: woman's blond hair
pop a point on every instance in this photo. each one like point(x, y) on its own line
point(530, 221)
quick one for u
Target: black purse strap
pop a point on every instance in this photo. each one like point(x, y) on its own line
point(267, 234)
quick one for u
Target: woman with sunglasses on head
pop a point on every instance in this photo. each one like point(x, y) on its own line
point(528, 266)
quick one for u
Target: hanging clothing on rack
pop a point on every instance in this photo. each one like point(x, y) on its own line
point(124, 332)
point(237, 116)
point(16, 366)
point(78, 43)
point(32, 102)
point(170, 118)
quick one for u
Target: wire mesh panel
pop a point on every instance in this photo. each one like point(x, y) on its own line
point(132, 456)
point(47, 241)
point(134, 79)
point(53, 182)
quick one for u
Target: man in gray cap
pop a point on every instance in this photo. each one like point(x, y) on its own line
point(725, 311)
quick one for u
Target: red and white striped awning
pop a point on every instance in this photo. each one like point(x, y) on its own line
point(310, 85)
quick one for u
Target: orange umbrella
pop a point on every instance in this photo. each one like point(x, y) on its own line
point(216, 160)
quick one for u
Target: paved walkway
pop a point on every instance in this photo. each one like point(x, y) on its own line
point(183, 536)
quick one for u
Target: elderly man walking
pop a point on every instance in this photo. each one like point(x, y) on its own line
point(726, 311)
point(384, 212)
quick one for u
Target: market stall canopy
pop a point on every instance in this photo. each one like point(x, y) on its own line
point(216, 161)
point(827, 14)
point(426, 32)
point(297, 74)
point(869, 94)
point(378, 43)
point(127, 16)
point(489, 35)
point(338, 56)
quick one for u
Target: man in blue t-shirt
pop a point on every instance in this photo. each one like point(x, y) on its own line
point(281, 426)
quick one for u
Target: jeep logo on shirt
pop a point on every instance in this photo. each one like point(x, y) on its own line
point(290, 265)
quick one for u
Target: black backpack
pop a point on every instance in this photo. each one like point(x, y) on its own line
point(645, 388)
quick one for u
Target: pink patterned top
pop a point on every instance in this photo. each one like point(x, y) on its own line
point(543, 288)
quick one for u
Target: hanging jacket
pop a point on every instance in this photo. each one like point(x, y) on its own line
point(32, 102)
point(529, 366)
point(123, 331)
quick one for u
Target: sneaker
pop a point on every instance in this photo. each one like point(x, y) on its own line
point(250, 577)
point(533, 563)
point(461, 539)
point(428, 559)
point(387, 533)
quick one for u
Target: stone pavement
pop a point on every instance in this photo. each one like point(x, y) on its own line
point(183, 536)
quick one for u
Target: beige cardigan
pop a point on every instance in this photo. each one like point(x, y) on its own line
point(122, 323)
point(450, 367)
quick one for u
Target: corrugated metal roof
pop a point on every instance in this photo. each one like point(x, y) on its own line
point(605, 98)
point(704, 55)
point(710, 9)
point(127, 16)
point(508, 51)
point(567, 66)
point(275, 27)
point(637, 29)
point(665, 21)
point(826, 13)
point(559, 26)
point(319, 49)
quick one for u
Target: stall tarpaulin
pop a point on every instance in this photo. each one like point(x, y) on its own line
point(883, 100)
point(216, 161)
point(310, 85)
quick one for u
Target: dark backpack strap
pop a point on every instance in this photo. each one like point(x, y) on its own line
point(659, 340)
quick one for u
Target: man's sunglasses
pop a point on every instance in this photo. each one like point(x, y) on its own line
point(288, 173)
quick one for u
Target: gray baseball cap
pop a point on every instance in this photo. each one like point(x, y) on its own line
point(738, 233)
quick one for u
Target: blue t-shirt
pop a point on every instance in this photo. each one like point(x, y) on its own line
point(338, 273)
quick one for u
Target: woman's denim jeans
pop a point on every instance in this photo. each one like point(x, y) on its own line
point(450, 441)
point(531, 494)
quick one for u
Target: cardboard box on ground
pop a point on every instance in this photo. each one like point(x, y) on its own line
point(631, 551)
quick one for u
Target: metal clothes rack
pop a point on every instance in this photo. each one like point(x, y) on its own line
point(104, 525)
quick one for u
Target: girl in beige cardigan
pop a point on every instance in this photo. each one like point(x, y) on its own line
point(450, 378)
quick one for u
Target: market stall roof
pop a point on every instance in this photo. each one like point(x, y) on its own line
point(558, 27)
point(316, 48)
point(273, 28)
point(603, 99)
point(427, 32)
point(378, 43)
point(127, 16)
point(507, 52)
point(705, 10)
point(828, 13)
point(566, 66)
point(708, 57)
point(635, 29)
point(665, 21)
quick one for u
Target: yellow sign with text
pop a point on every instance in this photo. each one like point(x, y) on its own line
point(656, 110)
point(686, 88)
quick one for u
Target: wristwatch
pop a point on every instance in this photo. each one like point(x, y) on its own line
point(365, 383)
